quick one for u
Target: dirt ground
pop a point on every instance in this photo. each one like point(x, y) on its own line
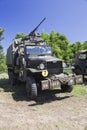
point(51, 110)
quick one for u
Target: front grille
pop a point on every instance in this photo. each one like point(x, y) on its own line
point(52, 65)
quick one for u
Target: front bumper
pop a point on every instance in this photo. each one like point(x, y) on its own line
point(50, 84)
point(56, 81)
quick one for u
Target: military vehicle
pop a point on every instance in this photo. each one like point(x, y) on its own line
point(30, 60)
point(79, 63)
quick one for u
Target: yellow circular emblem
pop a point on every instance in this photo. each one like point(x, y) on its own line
point(44, 73)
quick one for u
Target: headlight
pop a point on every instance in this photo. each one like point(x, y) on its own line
point(41, 66)
point(44, 73)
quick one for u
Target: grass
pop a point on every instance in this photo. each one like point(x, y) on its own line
point(79, 90)
point(1, 72)
point(67, 70)
point(85, 127)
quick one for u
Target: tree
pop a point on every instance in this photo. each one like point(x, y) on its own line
point(75, 47)
point(2, 56)
point(1, 33)
point(20, 35)
point(84, 45)
point(1, 38)
point(46, 37)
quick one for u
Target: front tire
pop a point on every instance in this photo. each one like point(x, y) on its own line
point(66, 88)
point(77, 71)
point(31, 88)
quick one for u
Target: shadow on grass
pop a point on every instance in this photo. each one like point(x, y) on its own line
point(19, 93)
point(5, 86)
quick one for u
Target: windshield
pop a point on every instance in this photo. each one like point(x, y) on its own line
point(83, 56)
point(38, 50)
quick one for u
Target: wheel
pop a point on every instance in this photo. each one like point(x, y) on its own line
point(11, 78)
point(31, 88)
point(66, 88)
point(77, 71)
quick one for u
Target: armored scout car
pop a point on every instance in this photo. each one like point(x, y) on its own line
point(30, 60)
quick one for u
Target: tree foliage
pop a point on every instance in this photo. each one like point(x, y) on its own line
point(2, 56)
point(84, 45)
point(19, 35)
point(1, 38)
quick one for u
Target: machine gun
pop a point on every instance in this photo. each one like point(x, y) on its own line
point(32, 33)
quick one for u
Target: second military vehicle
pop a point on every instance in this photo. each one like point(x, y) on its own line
point(30, 60)
point(79, 63)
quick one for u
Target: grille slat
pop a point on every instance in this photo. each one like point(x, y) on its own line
point(52, 64)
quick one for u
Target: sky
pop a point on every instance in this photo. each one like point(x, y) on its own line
point(68, 17)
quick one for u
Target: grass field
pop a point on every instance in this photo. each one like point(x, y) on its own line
point(79, 90)
point(67, 70)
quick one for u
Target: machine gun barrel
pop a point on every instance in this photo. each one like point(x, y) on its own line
point(32, 32)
